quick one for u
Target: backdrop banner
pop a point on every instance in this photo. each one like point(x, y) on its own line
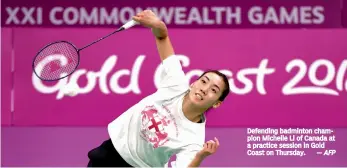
point(277, 77)
point(176, 13)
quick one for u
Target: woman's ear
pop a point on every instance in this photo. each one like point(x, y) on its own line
point(217, 104)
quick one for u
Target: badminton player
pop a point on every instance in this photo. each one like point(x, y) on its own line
point(169, 122)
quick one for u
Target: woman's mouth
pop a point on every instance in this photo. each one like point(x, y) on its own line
point(199, 96)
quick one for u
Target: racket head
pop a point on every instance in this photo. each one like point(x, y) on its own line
point(56, 61)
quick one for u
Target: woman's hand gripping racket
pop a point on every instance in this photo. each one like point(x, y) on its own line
point(60, 59)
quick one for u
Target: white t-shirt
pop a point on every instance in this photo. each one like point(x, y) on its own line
point(153, 130)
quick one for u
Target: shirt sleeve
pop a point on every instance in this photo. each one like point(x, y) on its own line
point(185, 157)
point(172, 78)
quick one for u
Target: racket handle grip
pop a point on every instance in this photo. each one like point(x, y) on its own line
point(129, 24)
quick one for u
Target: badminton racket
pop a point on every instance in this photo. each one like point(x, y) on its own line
point(60, 59)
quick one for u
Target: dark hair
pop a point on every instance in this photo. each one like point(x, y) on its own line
point(226, 82)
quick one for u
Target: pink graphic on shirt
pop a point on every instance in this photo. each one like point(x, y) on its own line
point(153, 126)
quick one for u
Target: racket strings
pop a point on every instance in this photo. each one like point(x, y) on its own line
point(56, 61)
